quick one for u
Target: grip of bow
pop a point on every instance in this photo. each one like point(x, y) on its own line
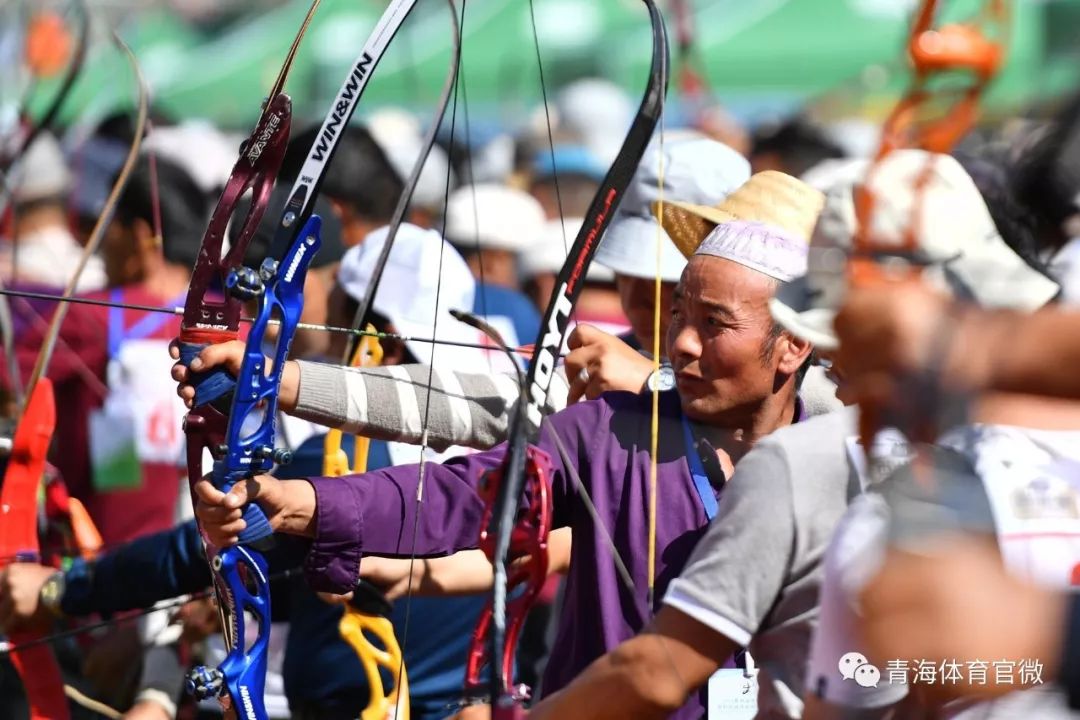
point(528, 547)
point(240, 572)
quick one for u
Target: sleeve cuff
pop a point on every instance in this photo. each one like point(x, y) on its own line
point(321, 395)
point(678, 598)
point(77, 600)
point(333, 563)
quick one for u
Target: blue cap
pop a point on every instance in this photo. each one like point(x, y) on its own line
point(569, 160)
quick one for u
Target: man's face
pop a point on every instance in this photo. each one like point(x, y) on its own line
point(119, 251)
point(719, 340)
point(638, 297)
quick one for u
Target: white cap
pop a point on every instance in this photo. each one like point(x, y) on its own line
point(548, 255)
point(198, 147)
point(596, 111)
point(42, 172)
point(963, 251)
point(695, 169)
point(769, 249)
point(398, 133)
point(409, 287)
point(493, 217)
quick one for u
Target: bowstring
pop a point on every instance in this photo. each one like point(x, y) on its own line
point(458, 82)
point(475, 209)
point(547, 123)
point(134, 614)
point(319, 327)
point(654, 420)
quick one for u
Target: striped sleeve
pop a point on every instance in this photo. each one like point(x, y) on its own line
point(391, 403)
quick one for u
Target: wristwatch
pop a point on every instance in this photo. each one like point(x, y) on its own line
point(52, 592)
point(661, 380)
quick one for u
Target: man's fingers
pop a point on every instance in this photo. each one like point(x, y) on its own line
point(595, 387)
point(584, 334)
point(229, 355)
point(579, 383)
point(224, 534)
point(207, 493)
point(582, 358)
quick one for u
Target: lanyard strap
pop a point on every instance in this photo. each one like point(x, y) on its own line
point(146, 326)
point(697, 472)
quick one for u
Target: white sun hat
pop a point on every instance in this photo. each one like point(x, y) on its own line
point(494, 217)
point(413, 294)
point(695, 169)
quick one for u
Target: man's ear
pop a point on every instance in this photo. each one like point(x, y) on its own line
point(793, 352)
point(145, 237)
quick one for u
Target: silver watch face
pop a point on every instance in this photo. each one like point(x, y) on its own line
point(663, 379)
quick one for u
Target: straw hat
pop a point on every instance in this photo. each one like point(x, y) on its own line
point(769, 197)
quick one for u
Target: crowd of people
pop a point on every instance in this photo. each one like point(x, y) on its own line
point(867, 497)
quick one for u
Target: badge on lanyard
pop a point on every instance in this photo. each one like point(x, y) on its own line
point(114, 455)
point(140, 419)
point(733, 693)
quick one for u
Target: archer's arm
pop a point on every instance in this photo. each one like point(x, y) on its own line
point(346, 517)
point(894, 330)
point(649, 676)
point(464, 573)
point(391, 403)
point(388, 403)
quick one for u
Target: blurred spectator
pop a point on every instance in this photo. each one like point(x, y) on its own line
point(198, 147)
point(41, 248)
point(792, 147)
point(120, 431)
point(597, 112)
point(694, 170)
point(1046, 177)
point(491, 225)
point(399, 134)
point(361, 182)
point(599, 303)
point(564, 179)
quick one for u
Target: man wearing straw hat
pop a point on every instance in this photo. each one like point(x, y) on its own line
point(736, 377)
point(696, 169)
point(754, 578)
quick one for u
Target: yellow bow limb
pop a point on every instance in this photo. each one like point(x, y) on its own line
point(357, 627)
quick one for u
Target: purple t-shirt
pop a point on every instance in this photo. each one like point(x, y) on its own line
point(608, 440)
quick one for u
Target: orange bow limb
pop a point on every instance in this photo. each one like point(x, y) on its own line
point(35, 663)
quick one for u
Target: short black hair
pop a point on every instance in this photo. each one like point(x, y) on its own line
point(184, 207)
point(360, 174)
point(1046, 178)
point(262, 241)
point(800, 144)
point(1014, 220)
